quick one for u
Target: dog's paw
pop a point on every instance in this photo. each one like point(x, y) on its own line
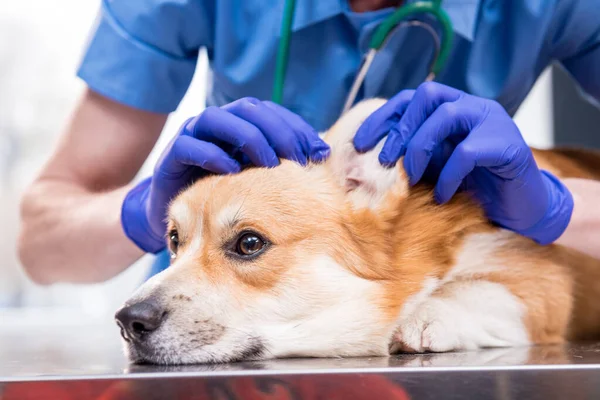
point(470, 316)
point(428, 329)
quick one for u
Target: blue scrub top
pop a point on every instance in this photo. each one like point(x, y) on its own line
point(143, 53)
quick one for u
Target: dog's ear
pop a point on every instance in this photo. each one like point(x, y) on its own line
point(366, 181)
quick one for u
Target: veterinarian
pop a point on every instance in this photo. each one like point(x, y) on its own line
point(84, 222)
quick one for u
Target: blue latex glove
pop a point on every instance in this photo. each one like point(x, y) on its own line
point(467, 142)
point(218, 141)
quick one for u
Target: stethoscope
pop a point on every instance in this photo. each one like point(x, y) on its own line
point(384, 31)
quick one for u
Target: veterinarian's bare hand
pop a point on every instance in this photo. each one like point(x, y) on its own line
point(462, 141)
point(218, 140)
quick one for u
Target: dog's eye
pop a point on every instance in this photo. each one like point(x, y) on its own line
point(173, 242)
point(249, 244)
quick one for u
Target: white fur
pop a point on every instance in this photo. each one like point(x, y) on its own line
point(480, 314)
point(459, 313)
point(372, 181)
point(368, 182)
point(179, 211)
point(475, 314)
point(321, 309)
point(317, 312)
point(227, 215)
point(476, 255)
point(330, 320)
point(411, 304)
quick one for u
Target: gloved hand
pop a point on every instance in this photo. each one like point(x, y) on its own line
point(216, 141)
point(472, 143)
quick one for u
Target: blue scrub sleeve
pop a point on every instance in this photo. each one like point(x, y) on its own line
point(143, 53)
point(576, 40)
point(585, 68)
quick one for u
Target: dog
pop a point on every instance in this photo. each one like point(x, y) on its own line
point(344, 259)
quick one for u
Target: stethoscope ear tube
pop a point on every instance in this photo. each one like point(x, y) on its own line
point(359, 79)
point(370, 56)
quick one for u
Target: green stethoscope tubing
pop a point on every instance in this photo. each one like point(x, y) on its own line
point(434, 8)
point(378, 41)
point(283, 50)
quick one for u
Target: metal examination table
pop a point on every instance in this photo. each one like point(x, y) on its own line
point(85, 363)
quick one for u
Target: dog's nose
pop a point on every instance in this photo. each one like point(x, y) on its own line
point(139, 319)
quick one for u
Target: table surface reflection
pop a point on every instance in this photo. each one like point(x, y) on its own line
point(93, 354)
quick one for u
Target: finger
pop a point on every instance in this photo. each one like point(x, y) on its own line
point(188, 151)
point(439, 158)
point(449, 119)
point(427, 98)
point(314, 147)
point(378, 124)
point(218, 125)
point(394, 147)
point(474, 151)
point(278, 133)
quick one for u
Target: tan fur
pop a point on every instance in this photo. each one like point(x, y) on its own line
point(564, 302)
point(400, 244)
point(395, 243)
point(266, 202)
point(560, 287)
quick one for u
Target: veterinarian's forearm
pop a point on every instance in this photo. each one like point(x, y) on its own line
point(70, 215)
point(70, 235)
point(583, 232)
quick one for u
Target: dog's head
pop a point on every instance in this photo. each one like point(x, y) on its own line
point(281, 262)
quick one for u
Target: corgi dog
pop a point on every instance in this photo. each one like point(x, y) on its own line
point(344, 259)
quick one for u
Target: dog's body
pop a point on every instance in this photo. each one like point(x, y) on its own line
point(353, 262)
